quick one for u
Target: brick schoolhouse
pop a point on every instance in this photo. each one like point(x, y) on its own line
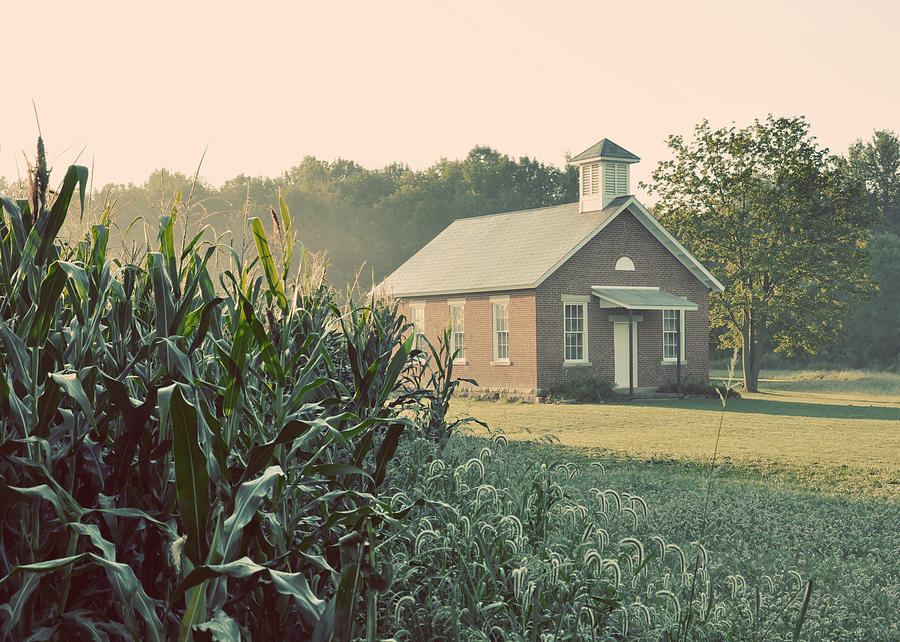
point(537, 297)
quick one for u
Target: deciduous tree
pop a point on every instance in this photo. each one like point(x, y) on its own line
point(768, 211)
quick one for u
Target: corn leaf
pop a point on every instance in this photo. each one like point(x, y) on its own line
point(187, 300)
point(287, 226)
point(132, 595)
point(269, 354)
point(79, 278)
point(16, 352)
point(261, 453)
point(265, 257)
point(205, 318)
point(70, 384)
point(17, 603)
point(249, 496)
point(395, 368)
point(15, 219)
point(167, 245)
point(191, 474)
point(76, 176)
point(221, 628)
point(66, 508)
point(294, 584)
point(386, 452)
point(162, 290)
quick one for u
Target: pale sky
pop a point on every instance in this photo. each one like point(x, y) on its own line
point(144, 85)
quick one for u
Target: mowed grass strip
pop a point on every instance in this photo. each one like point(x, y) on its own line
point(832, 438)
point(849, 386)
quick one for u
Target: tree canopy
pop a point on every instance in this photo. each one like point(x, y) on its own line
point(771, 214)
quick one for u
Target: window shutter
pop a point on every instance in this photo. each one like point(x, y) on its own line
point(595, 178)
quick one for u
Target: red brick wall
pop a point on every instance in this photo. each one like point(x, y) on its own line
point(521, 372)
point(594, 264)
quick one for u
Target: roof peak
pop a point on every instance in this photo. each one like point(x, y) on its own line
point(605, 149)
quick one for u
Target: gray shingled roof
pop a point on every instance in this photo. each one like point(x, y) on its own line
point(605, 149)
point(497, 252)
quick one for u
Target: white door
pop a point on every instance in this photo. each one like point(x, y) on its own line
point(620, 343)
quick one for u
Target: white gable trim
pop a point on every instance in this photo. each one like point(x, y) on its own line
point(657, 230)
point(676, 248)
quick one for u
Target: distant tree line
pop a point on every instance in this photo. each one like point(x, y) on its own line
point(369, 221)
point(871, 335)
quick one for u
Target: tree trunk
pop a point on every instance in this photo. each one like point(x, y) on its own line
point(750, 354)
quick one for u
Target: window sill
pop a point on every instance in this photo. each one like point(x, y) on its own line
point(671, 362)
point(576, 364)
point(460, 362)
point(501, 362)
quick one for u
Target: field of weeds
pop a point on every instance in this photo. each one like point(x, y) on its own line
point(806, 479)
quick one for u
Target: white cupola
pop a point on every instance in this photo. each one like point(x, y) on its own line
point(604, 174)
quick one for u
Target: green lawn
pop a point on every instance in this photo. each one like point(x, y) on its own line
point(808, 479)
point(824, 432)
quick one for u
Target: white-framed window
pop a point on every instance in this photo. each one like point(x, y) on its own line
point(501, 329)
point(417, 314)
point(575, 331)
point(671, 334)
point(458, 331)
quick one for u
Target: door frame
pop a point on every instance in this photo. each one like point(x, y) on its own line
point(618, 327)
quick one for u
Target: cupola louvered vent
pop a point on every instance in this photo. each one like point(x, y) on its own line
point(590, 179)
point(615, 179)
point(604, 174)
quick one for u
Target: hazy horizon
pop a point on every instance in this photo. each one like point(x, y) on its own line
point(144, 87)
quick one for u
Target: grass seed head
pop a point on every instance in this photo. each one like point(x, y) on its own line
point(634, 499)
point(630, 511)
point(673, 599)
point(611, 493)
point(420, 539)
point(638, 546)
point(602, 539)
point(617, 570)
point(643, 610)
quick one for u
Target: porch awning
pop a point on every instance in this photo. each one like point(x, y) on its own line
point(640, 299)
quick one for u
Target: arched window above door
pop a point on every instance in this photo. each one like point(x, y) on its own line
point(625, 264)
